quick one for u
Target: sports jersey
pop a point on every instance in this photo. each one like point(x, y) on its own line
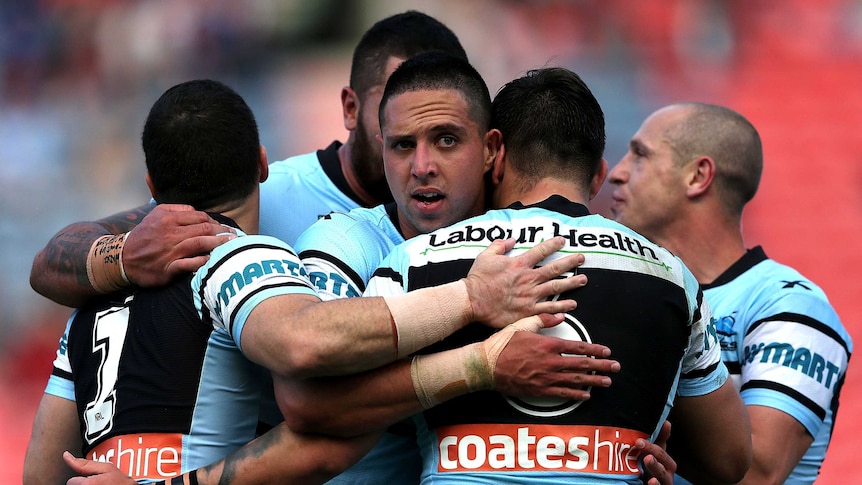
point(641, 301)
point(301, 189)
point(340, 253)
point(784, 346)
point(159, 378)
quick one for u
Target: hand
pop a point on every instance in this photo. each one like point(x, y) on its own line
point(659, 466)
point(170, 241)
point(534, 365)
point(95, 472)
point(503, 289)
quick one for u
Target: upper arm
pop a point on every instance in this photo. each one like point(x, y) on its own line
point(779, 442)
point(712, 435)
point(55, 430)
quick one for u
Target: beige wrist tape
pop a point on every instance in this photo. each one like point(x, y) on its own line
point(423, 317)
point(445, 375)
point(105, 264)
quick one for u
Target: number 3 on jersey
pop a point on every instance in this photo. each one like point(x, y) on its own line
point(109, 335)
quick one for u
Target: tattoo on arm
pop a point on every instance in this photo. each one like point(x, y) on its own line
point(252, 451)
point(68, 249)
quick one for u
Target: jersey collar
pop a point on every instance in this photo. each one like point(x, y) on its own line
point(557, 203)
point(748, 260)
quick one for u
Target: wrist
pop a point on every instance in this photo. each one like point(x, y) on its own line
point(423, 317)
point(105, 264)
point(445, 375)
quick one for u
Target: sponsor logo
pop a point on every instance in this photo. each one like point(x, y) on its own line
point(150, 455)
point(578, 239)
point(333, 283)
point(540, 448)
point(725, 332)
point(800, 359)
point(794, 284)
point(252, 271)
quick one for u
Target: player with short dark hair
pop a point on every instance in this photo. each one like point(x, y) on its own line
point(640, 300)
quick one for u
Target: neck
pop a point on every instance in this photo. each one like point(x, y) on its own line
point(544, 188)
point(247, 215)
point(707, 245)
point(346, 162)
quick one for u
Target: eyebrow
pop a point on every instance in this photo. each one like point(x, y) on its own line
point(635, 144)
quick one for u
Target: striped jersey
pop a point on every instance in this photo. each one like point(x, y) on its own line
point(340, 253)
point(641, 301)
point(784, 346)
point(158, 375)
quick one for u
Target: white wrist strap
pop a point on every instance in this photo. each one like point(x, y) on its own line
point(423, 317)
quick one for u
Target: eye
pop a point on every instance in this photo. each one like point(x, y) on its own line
point(401, 145)
point(447, 141)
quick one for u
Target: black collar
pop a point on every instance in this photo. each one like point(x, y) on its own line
point(751, 257)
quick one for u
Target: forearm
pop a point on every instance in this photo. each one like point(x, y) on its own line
point(301, 337)
point(282, 456)
point(59, 270)
point(349, 406)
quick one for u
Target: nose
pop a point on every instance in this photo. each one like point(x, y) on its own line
point(619, 173)
point(424, 163)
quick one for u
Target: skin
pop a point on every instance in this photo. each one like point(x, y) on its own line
point(55, 430)
point(361, 157)
point(431, 145)
point(677, 205)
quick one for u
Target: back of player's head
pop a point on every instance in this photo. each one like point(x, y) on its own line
point(552, 125)
point(402, 35)
point(202, 146)
point(438, 70)
point(730, 140)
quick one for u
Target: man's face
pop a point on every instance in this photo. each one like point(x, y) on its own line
point(366, 155)
point(650, 187)
point(435, 158)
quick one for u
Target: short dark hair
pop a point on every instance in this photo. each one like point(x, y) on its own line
point(402, 35)
point(436, 70)
point(552, 124)
point(730, 140)
point(201, 145)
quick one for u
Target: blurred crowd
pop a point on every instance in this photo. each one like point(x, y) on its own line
point(76, 78)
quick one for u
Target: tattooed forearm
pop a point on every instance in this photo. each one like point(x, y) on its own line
point(249, 454)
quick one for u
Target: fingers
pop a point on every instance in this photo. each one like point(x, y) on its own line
point(535, 322)
point(85, 467)
point(657, 462)
point(541, 251)
point(500, 246)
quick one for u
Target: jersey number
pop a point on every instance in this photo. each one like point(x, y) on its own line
point(109, 336)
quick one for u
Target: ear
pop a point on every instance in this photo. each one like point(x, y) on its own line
point(150, 185)
point(499, 166)
point(264, 165)
point(349, 107)
point(598, 179)
point(700, 176)
point(493, 145)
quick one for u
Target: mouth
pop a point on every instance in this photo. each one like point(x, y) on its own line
point(427, 197)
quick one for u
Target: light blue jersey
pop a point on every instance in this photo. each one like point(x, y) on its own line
point(340, 253)
point(302, 189)
point(784, 346)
